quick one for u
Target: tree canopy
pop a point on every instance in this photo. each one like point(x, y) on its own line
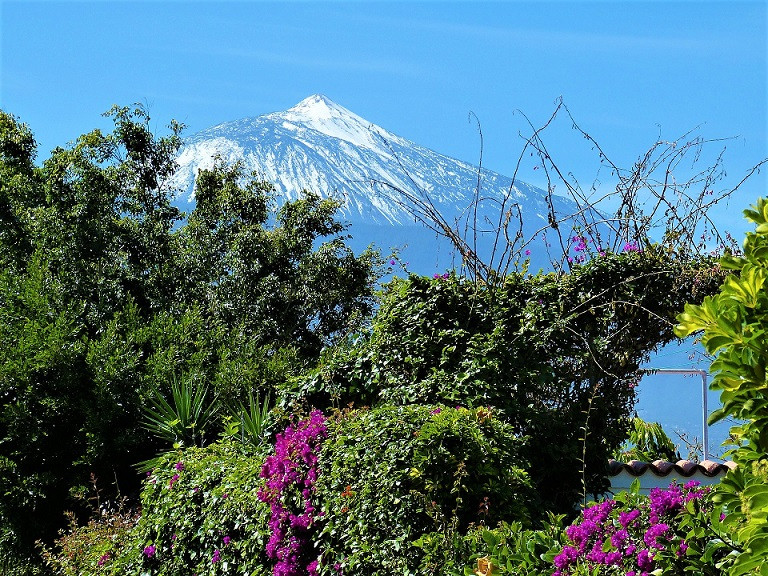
point(107, 290)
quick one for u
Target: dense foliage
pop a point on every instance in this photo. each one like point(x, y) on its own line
point(670, 531)
point(547, 351)
point(393, 474)
point(92, 547)
point(122, 318)
point(107, 294)
point(200, 514)
point(733, 325)
point(333, 497)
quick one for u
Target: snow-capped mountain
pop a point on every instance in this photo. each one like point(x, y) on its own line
point(320, 146)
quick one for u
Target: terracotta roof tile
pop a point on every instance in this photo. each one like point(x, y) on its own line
point(663, 468)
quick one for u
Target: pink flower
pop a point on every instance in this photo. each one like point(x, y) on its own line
point(149, 551)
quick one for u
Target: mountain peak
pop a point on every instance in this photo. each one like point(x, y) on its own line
point(318, 107)
point(321, 114)
point(319, 145)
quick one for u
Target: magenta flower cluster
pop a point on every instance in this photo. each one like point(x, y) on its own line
point(290, 474)
point(150, 551)
point(628, 538)
point(580, 248)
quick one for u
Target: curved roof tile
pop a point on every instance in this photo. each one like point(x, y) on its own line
point(663, 468)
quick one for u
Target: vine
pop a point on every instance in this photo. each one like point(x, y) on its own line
point(290, 474)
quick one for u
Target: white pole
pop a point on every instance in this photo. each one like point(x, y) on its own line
point(704, 409)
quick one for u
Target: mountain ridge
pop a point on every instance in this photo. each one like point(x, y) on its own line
point(321, 146)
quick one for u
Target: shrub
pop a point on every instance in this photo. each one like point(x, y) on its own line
point(86, 549)
point(672, 531)
point(200, 515)
point(511, 549)
point(393, 474)
point(636, 535)
point(291, 473)
point(542, 350)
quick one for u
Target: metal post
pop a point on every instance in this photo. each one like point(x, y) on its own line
point(704, 409)
point(705, 413)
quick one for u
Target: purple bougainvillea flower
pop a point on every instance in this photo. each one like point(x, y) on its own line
point(216, 556)
point(149, 551)
point(626, 518)
point(644, 560)
point(292, 466)
point(179, 466)
point(436, 411)
point(391, 262)
point(628, 539)
point(527, 252)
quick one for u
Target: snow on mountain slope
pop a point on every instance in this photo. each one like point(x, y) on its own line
point(320, 146)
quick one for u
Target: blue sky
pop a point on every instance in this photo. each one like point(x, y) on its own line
point(630, 72)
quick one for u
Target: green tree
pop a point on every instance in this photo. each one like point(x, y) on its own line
point(106, 221)
point(106, 294)
point(282, 276)
point(732, 324)
point(43, 402)
point(19, 191)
